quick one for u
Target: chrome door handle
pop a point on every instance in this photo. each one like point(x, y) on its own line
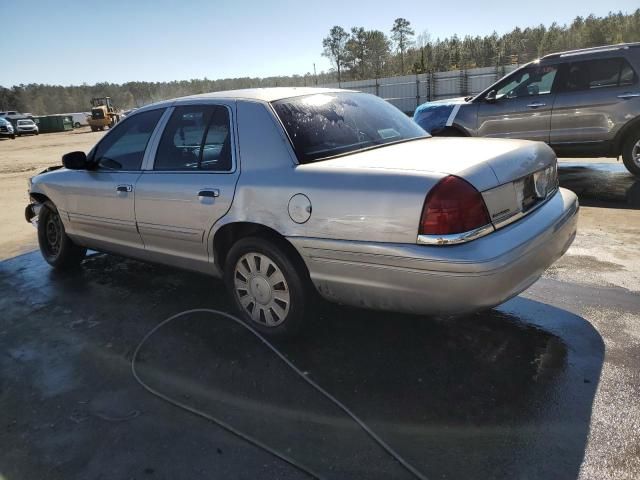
point(124, 188)
point(628, 95)
point(214, 193)
point(536, 105)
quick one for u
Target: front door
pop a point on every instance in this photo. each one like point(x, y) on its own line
point(101, 200)
point(191, 185)
point(522, 105)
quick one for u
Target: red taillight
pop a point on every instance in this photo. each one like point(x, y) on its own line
point(453, 206)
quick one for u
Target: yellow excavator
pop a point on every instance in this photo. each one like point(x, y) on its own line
point(103, 114)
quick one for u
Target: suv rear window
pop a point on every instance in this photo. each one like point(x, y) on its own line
point(600, 73)
point(328, 124)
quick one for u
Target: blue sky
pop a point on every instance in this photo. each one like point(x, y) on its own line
point(74, 41)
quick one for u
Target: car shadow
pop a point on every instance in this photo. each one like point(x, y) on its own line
point(601, 184)
point(504, 393)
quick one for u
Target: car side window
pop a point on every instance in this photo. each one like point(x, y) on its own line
point(534, 80)
point(196, 138)
point(627, 75)
point(596, 74)
point(123, 148)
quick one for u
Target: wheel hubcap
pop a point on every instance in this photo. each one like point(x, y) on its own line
point(53, 234)
point(635, 153)
point(261, 289)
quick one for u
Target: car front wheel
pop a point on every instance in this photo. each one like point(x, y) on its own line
point(631, 153)
point(269, 289)
point(56, 247)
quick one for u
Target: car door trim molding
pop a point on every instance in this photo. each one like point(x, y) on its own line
point(154, 141)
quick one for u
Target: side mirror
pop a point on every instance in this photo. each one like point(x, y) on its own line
point(75, 160)
point(490, 97)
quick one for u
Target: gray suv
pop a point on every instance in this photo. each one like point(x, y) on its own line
point(583, 103)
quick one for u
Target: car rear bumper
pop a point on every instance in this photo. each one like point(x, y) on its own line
point(443, 279)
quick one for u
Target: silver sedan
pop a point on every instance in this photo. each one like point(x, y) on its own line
point(289, 190)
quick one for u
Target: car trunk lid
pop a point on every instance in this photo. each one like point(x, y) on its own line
point(512, 175)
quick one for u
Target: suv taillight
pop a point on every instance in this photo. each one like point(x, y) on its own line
point(453, 206)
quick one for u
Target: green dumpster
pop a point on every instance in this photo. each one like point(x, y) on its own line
point(54, 123)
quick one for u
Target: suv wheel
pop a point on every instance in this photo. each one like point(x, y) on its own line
point(631, 153)
point(269, 290)
point(56, 247)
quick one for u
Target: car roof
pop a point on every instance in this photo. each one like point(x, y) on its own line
point(269, 94)
point(593, 50)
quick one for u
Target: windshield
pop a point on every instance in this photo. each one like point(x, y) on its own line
point(328, 124)
point(25, 122)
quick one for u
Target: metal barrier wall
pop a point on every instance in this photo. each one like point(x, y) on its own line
point(408, 91)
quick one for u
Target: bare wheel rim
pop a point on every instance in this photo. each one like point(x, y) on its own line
point(635, 153)
point(261, 289)
point(53, 233)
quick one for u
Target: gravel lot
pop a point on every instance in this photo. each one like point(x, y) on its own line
point(546, 386)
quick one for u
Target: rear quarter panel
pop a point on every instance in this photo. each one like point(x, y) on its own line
point(347, 204)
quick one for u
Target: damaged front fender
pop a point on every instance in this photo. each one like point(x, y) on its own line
point(31, 213)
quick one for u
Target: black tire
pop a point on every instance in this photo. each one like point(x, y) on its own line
point(13, 137)
point(631, 161)
point(268, 303)
point(56, 247)
point(76, 125)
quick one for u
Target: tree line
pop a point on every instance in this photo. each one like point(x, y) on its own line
point(357, 53)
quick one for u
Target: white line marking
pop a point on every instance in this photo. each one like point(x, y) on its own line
point(452, 115)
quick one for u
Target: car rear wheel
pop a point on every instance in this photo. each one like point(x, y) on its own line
point(56, 247)
point(269, 289)
point(631, 153)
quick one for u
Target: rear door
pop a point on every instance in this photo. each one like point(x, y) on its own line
point(101, 201)
point(522, 108)
point(190, 184)
point(595, 98)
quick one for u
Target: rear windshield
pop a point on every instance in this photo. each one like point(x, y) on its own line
point(328, 124)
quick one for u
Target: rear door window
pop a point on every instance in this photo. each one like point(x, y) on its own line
point(196, 138)
point(597, 74)
point(627, 75)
